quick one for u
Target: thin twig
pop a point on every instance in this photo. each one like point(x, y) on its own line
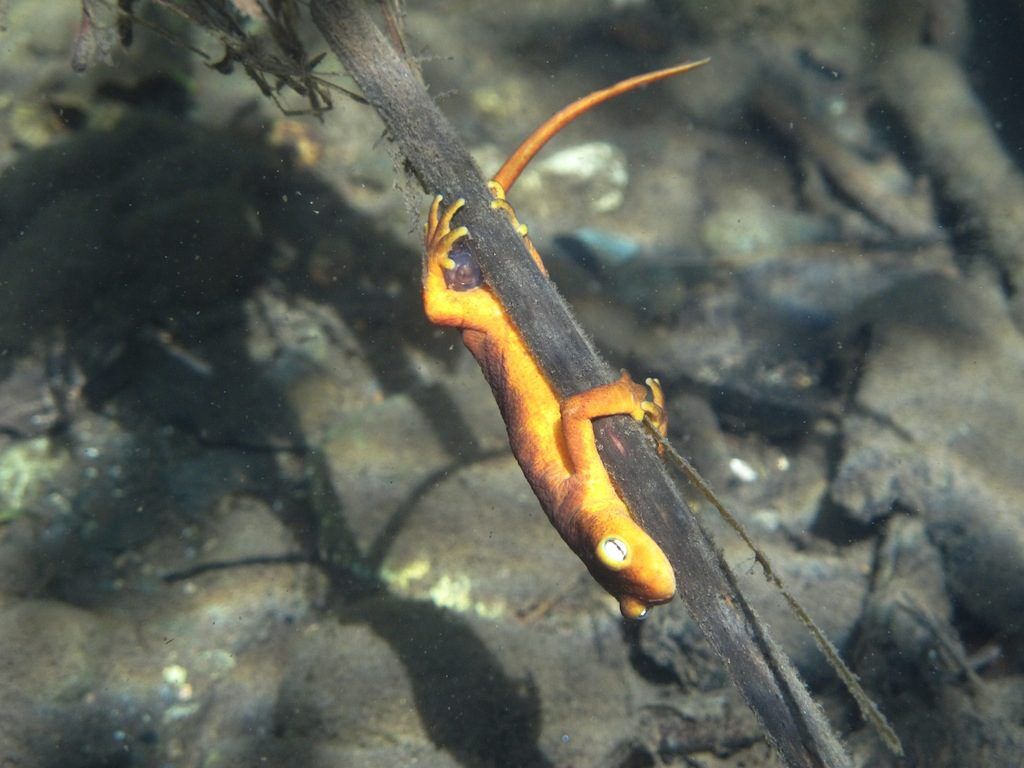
point(868, 709)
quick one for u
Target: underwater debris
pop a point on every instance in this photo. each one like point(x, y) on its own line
point(263, 39)
point(260, 37)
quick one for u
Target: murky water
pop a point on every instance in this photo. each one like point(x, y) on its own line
point(255, 510)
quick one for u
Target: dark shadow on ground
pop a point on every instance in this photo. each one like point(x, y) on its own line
point(467, 704)
point(128, 256)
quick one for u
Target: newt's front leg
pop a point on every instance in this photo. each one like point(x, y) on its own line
point(592, 518)
point(454, 293)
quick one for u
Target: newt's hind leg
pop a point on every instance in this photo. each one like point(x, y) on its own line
point(500, 203)
point(620, 554)
point(454, 293)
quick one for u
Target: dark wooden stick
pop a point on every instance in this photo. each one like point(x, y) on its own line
point(434, 153)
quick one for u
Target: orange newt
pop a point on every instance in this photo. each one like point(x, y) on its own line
point(552, 437)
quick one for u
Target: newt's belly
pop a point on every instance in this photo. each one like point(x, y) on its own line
point(528, 405)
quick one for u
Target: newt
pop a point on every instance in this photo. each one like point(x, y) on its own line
point(552, 437)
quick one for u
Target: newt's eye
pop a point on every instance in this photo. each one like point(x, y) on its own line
point(614, 553)
point(465, 275)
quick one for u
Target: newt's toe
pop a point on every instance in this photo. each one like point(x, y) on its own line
point(439, 235)
point(654, 408)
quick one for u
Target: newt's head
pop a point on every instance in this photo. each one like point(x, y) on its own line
point(631, 566)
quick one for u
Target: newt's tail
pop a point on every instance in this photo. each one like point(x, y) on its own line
point(518, 160)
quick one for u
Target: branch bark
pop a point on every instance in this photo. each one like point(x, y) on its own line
point(436, 156)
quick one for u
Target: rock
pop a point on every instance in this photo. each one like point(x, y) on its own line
point(954, 135)
point(907, 636)
point(937, 430)
point(343, 685)
point(235, 579)
point(51, 660)
point(49, 650)
point(595, 171)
